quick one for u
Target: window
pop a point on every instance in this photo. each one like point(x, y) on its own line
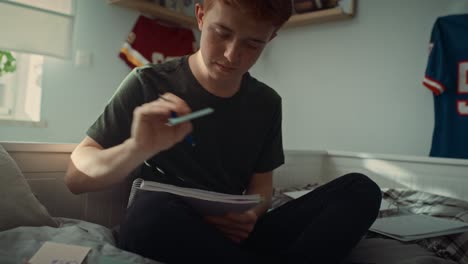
point(20, 92)
point(41, 28)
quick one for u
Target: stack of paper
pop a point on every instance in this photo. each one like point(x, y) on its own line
point(415, 226)
point(208, 203)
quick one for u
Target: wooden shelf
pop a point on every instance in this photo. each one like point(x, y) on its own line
point(344, 11)
point(157, 11)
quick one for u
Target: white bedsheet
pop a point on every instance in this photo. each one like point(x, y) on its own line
point(19, 244)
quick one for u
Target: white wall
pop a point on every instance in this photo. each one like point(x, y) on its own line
point(356, 85)
point(353, 85)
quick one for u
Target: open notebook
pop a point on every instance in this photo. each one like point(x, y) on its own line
point(206, 202)
point(415, 226)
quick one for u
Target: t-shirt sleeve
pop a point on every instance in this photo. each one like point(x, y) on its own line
point(435, 75)
point(113, 126)
point(272, 155)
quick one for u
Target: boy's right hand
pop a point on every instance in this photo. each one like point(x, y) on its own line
point(150, 131)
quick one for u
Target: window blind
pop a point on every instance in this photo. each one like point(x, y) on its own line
point(43, 27)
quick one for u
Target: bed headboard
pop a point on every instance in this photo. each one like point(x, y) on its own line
point(44, 166)
point(441, 176)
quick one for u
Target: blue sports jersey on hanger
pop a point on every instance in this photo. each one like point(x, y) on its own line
point(447, 77)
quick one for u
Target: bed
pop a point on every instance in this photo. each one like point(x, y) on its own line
point(36, 206)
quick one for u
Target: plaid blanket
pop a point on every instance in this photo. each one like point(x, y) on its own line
point(453, 247)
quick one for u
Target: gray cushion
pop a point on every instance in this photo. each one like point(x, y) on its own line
point(18, 205)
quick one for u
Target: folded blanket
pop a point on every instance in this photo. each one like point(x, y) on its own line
point(20, 244)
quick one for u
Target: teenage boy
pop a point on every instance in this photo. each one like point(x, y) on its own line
point(234, 150)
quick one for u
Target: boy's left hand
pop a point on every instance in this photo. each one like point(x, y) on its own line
point(236, 226)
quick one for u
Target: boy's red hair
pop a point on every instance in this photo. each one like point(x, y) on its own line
point(276, 11)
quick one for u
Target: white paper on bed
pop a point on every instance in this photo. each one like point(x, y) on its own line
point(297, 194)
point(51, 252)
point(386, 206)
point(415, 226)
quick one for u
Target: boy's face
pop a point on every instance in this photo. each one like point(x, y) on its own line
point(231, 41)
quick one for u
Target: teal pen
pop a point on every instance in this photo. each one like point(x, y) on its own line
point(189, 137)
point(175, 120)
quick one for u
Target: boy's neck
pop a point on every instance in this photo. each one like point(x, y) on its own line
point(221, 88)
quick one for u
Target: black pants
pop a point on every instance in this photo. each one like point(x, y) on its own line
point(320, 227)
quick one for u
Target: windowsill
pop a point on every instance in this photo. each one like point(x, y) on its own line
point(23, 123)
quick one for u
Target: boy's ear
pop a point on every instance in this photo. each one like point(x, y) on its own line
point(199, 14)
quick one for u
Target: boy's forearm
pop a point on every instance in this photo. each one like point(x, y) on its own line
point(263, 207)
point(93, 169)
point(262, 184)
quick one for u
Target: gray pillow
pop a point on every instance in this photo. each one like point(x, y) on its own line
point(18, 205)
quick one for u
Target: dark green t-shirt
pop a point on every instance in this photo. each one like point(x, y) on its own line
point(241, 137)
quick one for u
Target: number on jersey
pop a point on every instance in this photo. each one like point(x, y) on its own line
point(462, 105)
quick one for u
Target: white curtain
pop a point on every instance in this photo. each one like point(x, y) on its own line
point(43, 27)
